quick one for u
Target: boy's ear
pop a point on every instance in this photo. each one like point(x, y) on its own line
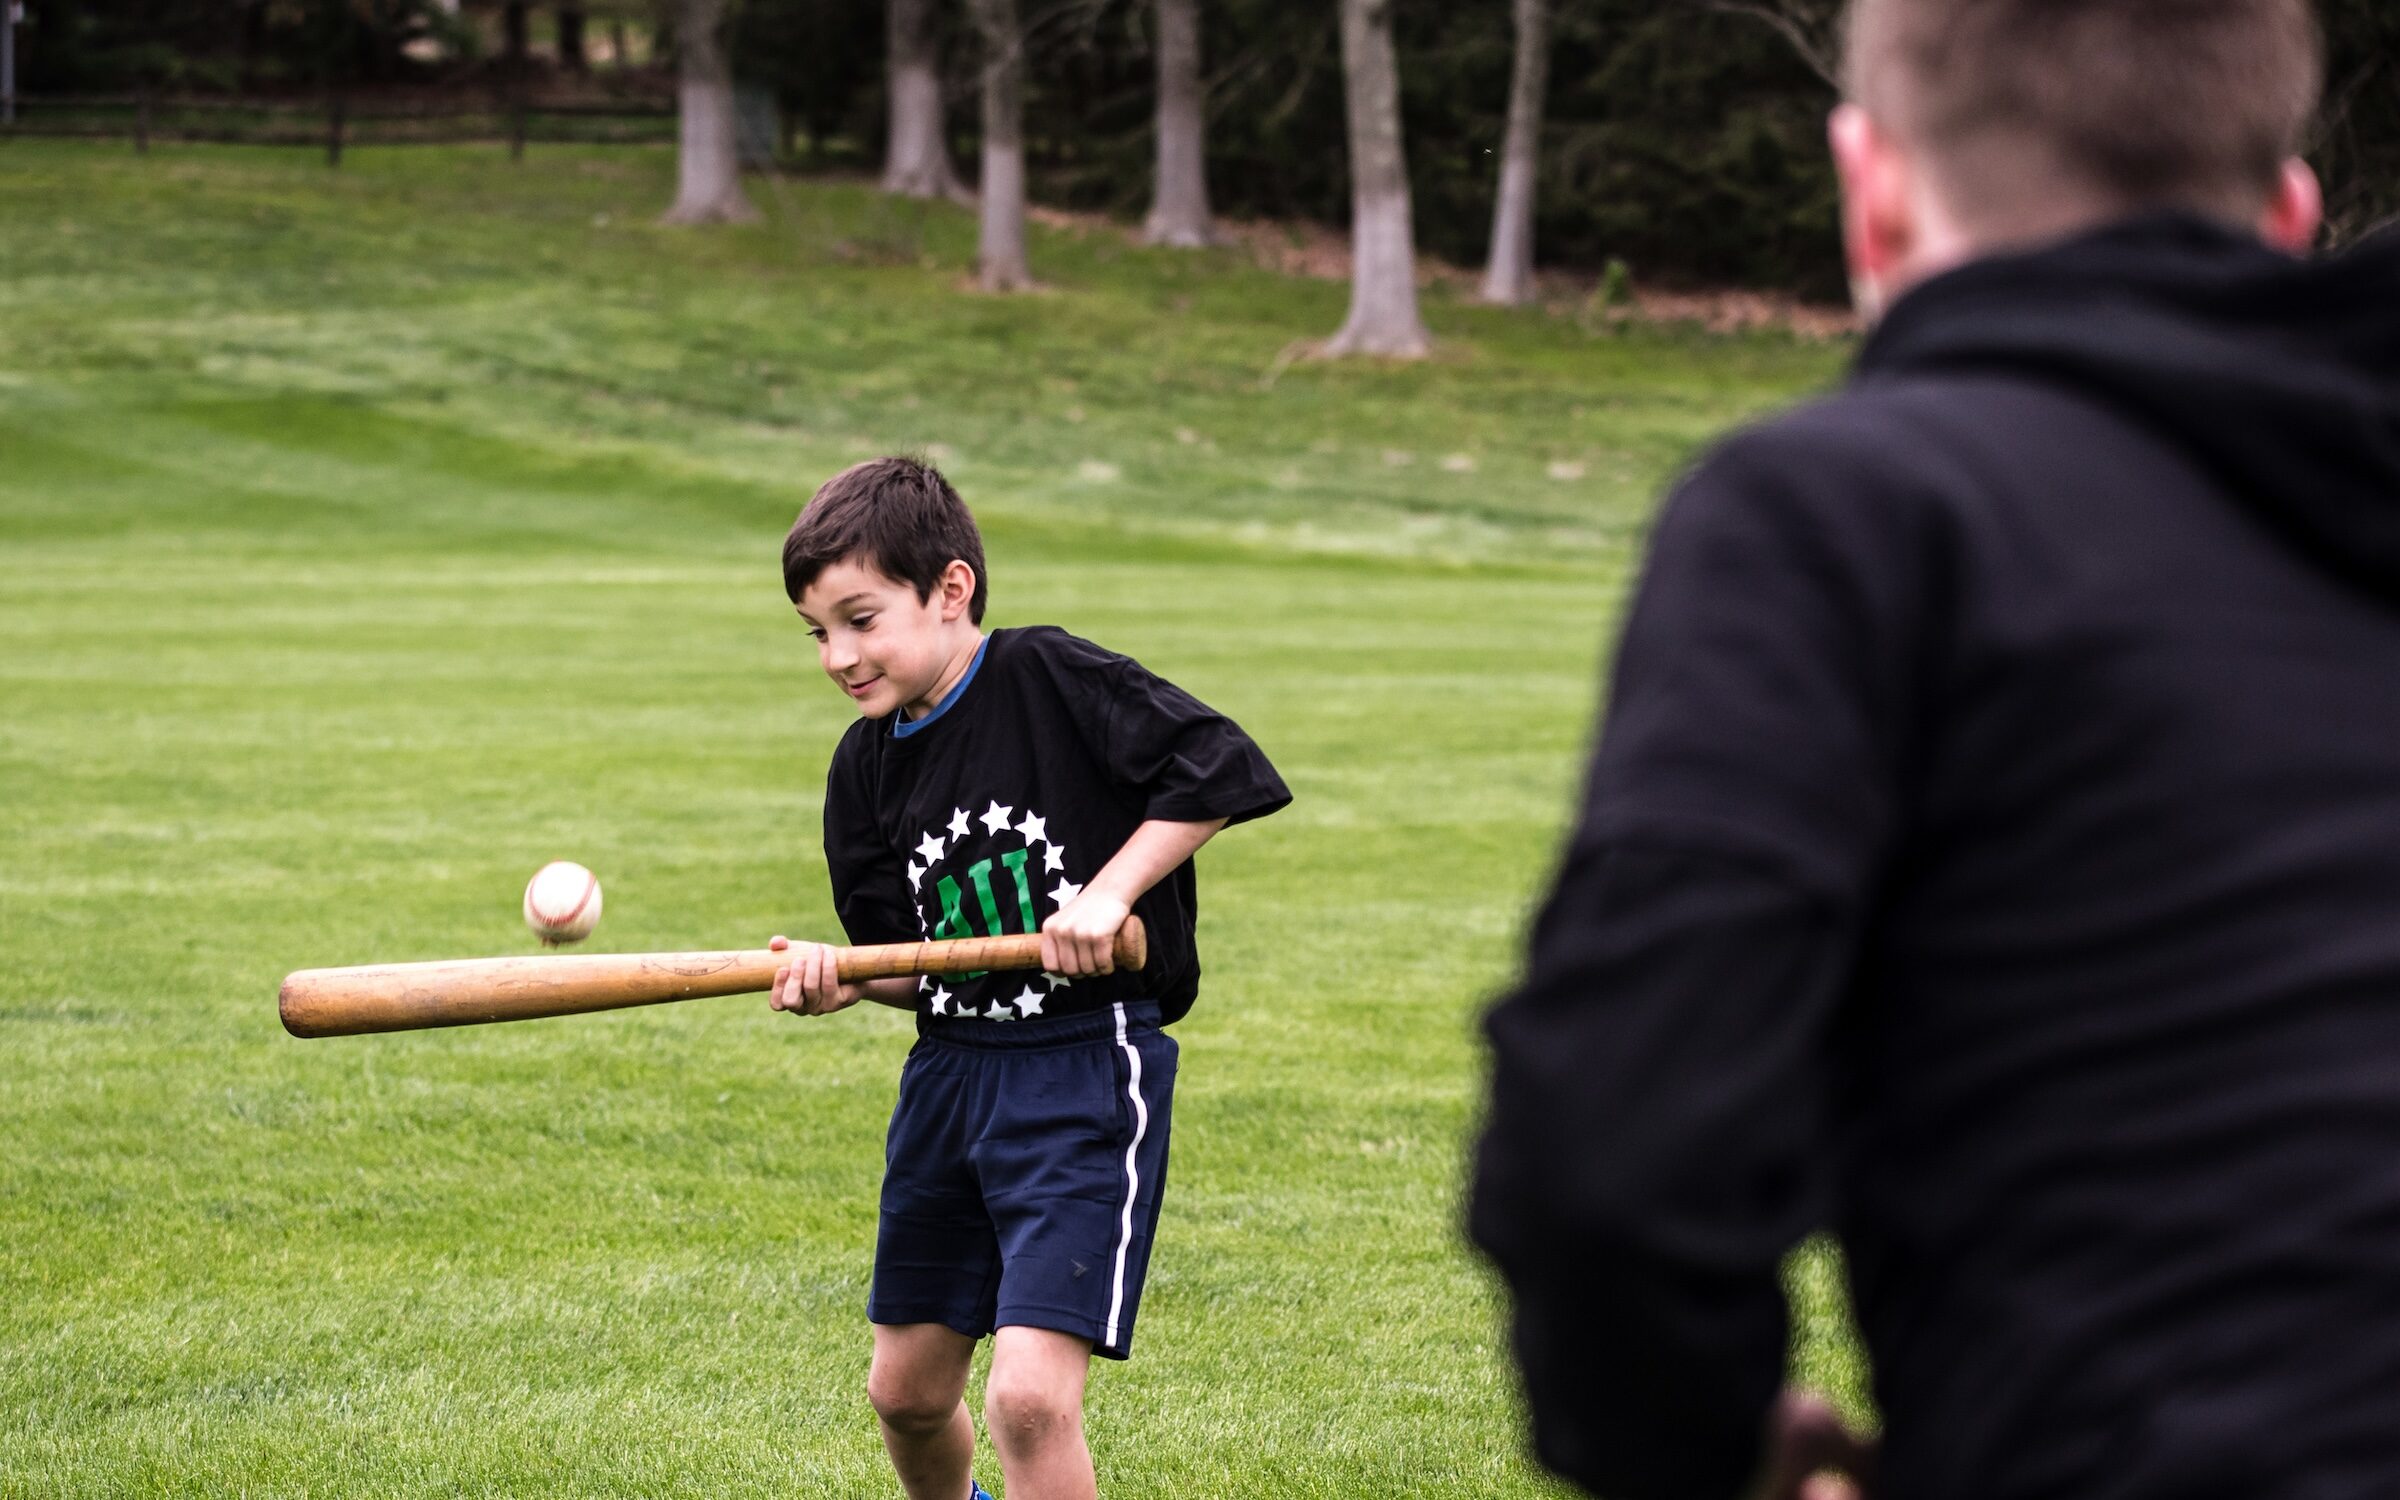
point(958, 590)
point(2294, 211)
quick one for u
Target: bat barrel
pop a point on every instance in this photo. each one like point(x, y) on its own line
point(472, 991)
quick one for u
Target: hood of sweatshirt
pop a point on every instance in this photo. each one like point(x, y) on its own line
point(2280, 375)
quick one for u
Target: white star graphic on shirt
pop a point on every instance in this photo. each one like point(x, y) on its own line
point(1054, 858)
point(958, 822)
point(1056, 981)
point(941, 1002)
point(1032, 828)
point(931, 849)
point(1065, 891)
point(1029, 1003)
point(999, 1012)
point(995, 817)
point(916, 874)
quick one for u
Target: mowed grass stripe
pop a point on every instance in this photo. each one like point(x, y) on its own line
point(367, 539)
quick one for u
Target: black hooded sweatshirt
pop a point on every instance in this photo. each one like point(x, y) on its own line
point(1992, 855)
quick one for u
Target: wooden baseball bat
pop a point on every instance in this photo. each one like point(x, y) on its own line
point(471, 991)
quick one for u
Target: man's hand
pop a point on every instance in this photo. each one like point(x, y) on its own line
point(809, 986)
point(1813, 1455)
point(1080, 938)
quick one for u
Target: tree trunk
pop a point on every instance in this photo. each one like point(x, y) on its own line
point(1383, 254)
point(1508, 278)
point(916, 159)
point(1179, 207)
point(572, 55)
point(513, 32)
point(619, 50)
point(1000, 253)
point(249, 39)
point(709, 181)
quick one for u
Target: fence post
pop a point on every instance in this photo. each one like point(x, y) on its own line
point(516, 120)
point(337, 105)
point(141, 118)
point(9, 11)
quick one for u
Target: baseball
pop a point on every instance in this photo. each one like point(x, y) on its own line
point(562, 903)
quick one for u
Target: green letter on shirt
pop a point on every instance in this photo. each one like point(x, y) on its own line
point(981, 873)
point(1015, 865)
point(954, 917)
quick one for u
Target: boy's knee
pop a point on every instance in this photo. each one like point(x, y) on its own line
point(909, 1405)
point(1023, 1412)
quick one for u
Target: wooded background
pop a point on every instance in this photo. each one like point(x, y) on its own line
point(1681, 137)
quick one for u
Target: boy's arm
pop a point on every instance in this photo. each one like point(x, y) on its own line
point(1080, 936)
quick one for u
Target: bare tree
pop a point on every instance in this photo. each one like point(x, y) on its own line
point(1000, 253)
point(708, 187)
point(1811, 27)
point(1179, 201)
point(1508, 278)
point(916, 158)
point(1383, 253)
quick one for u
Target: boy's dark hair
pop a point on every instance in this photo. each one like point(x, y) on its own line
point(2119, 105)
point(898, 516)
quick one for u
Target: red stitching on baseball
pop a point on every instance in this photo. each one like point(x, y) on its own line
point(591, 883)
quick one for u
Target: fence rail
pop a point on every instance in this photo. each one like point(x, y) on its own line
point(337, 122)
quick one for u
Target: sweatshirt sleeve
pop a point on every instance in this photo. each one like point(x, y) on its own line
point(1656, 1139)
point(1650, 1153)
point(870, 889)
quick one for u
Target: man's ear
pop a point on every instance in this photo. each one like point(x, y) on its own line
point(958, 590)
point(2295, 211)
point(1879, 224)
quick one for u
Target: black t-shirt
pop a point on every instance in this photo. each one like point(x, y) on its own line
point(990, 814)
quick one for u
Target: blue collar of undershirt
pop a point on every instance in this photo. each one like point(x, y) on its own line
point(902, 725)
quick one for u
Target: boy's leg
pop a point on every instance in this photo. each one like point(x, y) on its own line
point(1033, 1407)
point(918, 1386)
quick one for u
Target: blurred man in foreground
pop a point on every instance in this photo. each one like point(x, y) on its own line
point(1992, 854)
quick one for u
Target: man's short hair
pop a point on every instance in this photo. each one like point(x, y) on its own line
point(2120, 104)
point(898, 516)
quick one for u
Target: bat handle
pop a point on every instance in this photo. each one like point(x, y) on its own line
point(1022, 950)
point(1133, 939)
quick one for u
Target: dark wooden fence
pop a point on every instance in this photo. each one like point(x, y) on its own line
point(335, 122)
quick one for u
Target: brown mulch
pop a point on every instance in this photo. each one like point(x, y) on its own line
point(1305, 248)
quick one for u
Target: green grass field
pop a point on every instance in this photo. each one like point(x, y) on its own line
point(369, 538)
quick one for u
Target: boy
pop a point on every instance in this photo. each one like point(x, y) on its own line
point(1020, 781)
point(1993, 850)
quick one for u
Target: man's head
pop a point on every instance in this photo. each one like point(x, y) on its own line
point(886, 566)
point(1972, 125)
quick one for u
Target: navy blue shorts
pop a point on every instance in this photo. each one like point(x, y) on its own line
point(1023, 1173)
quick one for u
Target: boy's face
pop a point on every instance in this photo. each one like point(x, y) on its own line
point(881, 644)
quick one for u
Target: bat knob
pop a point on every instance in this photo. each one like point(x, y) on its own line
point(1133, 946)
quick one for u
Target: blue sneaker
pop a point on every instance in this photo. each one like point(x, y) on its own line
point(976, 1491)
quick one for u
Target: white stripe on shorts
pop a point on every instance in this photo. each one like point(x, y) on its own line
point(1133, 1175)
